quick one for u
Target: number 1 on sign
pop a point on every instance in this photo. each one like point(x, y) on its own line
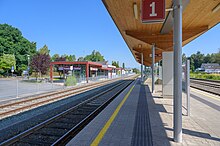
point(152, 5)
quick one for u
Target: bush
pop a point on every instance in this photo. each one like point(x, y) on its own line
point(70, 81)
point(205, 76)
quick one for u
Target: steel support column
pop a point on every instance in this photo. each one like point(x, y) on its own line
point(188, 86)
point(142, 62)
point(152, 66)
point(87, 72)
point(51, 73)
point(177, 39)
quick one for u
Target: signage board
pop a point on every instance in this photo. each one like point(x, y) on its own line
point(12, 69)
point(153, 11)
point(93, 69)
point(60, 68)
point(66, 68)
point(76, 68)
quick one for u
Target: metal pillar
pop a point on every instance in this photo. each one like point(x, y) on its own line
point(17, 88)
point(152, 66)
point(87, 72)
point(142, 62)
point(177, 39)
point(51, 72)
point(188, 86)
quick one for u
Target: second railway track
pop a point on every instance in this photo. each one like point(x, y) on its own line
point(206, 85)
point(59, 129)
point(15, 107)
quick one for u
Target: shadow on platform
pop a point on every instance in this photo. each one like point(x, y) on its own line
point(197, 134)
point(158, 131)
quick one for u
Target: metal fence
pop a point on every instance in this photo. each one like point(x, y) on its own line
point(22, 87)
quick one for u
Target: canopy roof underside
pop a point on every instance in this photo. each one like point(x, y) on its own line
point(198, 17)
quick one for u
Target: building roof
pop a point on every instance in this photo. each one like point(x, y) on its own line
point(76, 62)
point(210, 66)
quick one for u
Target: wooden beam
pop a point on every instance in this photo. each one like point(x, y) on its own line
point(164, 41)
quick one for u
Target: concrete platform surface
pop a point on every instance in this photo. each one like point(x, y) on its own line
point(146, 119)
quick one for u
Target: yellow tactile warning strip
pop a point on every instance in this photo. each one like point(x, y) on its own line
point(101, 134)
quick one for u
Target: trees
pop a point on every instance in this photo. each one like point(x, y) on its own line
point(115, 64)
point(123, 65)
point(55, 57)
point(12, 42)
point(95, 57)
point(44, 50)
point(6, 62)
point(197, 59)
point(184, 58)
point(80, 59)
point(135, 70)
point(71, 58)
point(40, 63)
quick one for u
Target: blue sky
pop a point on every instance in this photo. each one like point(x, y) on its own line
point(78, 27)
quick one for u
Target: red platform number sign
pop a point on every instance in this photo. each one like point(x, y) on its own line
point(153, 11)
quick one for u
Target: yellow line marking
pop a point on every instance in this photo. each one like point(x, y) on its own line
point(111, 119)
point(205, 94)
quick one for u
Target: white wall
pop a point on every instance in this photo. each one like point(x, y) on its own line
point(167, 74)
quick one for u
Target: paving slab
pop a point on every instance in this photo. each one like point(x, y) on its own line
point(129, 127)
point(201, 128)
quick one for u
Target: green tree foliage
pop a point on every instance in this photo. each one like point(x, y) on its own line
point(6, 62)
point(184, 58)
point(12, 42)
point(197, 59)
point(70, 58)
point(55, 57)
point(216, 57)
point(135, 70)
point(80, 59)
point(115, 64)
point(71, 81)
point(44, 50)
point(123, 65)
point(40, 63)
point(64, 57)
point(95, 57)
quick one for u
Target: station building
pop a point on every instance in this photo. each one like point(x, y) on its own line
point(86, 69)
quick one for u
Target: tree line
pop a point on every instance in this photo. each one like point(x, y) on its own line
point(20, 54)
point(197, 59)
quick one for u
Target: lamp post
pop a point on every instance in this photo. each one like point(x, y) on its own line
point(28, 64)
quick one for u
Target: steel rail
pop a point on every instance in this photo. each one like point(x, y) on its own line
point(206, 85)
point(43, 124)
point(46, 99)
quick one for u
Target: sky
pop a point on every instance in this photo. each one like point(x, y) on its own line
point(79, 27)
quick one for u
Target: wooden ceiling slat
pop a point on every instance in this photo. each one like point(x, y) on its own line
point(164, 41)
point(197, 19)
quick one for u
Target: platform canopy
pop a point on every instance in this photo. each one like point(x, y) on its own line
point(198, 17)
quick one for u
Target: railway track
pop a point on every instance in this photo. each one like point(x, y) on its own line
point(206, 85)
point(18, 106)
point(59, 129)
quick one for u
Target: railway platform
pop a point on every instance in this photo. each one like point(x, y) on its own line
point(138, 117)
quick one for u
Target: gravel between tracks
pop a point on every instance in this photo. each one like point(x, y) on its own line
point(18, 123)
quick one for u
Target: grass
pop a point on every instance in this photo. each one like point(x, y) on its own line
point(205, 76)
point(70, 81)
